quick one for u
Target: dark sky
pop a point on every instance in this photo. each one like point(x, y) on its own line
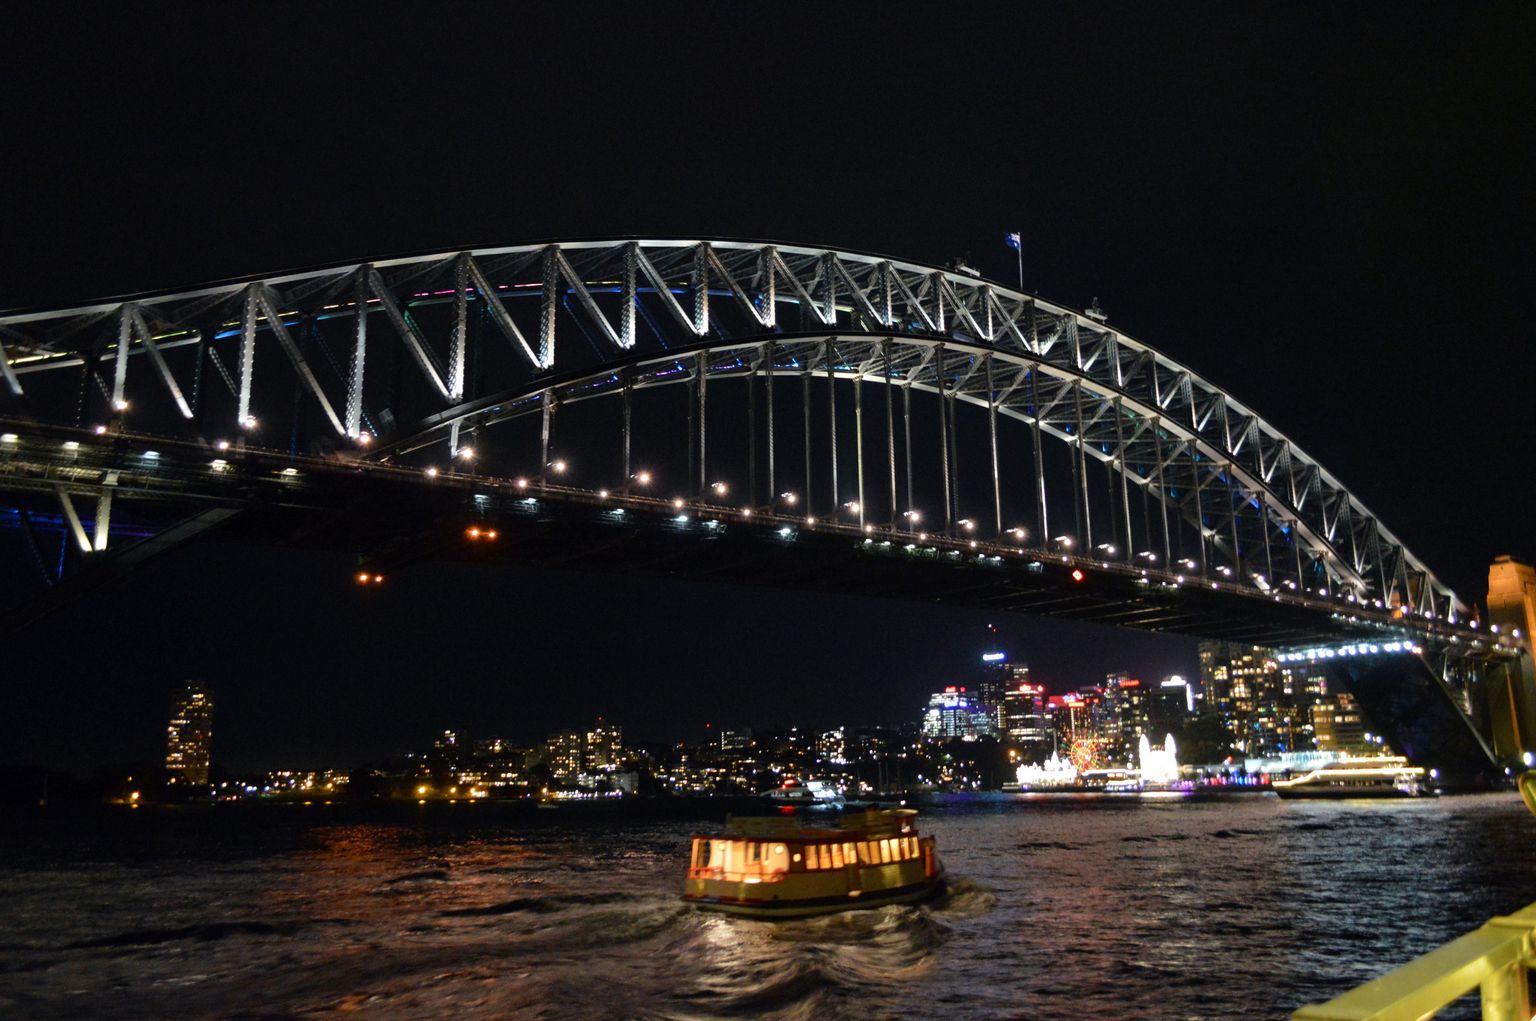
point(1327, 209)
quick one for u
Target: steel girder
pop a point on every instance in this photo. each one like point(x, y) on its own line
point(1254, 496)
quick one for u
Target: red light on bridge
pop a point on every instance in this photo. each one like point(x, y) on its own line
point(1077, 574)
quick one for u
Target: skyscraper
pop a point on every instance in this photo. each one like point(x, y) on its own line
point(189, 736)
point(954, 713)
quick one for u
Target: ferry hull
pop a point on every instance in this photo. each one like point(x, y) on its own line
point(1340, 793)
point(803, 908)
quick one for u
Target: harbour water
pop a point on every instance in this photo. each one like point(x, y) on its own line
point(1247, 907)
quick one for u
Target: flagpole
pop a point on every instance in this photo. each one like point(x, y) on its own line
point(1020, 251)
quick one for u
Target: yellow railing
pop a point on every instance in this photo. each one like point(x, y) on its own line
point(1494, 960)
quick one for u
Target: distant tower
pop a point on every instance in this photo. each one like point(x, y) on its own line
point(189, 735)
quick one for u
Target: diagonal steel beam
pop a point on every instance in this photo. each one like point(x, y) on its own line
point(146, 338)
point(408, 334)
point(291, 349)
point(500, 315)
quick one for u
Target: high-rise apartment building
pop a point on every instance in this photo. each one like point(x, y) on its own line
point(189, 736)
point(604, 750)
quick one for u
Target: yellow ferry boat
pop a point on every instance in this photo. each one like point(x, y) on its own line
point(777, 868)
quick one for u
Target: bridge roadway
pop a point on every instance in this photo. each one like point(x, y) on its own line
point(391, 515)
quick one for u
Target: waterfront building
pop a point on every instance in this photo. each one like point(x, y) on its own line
point(1338, 725)
point(1170, 705)
point(564, 753)
point(1024, 719)
point(998, 677)
point(1134, 710)
point(832, 747)
point(954, 712)
point(1268, 708)
point(603, 750)
point(189, 736)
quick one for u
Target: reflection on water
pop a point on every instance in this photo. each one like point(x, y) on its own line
point(1057, 910)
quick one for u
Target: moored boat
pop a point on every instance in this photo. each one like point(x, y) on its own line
point(777, 868)
point(1381, 776)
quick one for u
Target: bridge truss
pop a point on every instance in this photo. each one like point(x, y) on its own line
point(391, 359)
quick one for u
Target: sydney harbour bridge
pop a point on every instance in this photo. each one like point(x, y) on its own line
point(772, 414)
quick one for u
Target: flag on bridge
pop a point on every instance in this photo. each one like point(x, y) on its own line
point(1014, 241)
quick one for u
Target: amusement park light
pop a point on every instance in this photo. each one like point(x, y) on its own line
point(363, 439)
point(101, 430)
point(431, 473)
point(1187, 562)
point(870, 529)
point(491, 534)
point(811, 521)
point(1021, 533)
point(922, 536)
point(746, 512)
point(1148, 556)
point(1065, 541)
point(1107, 547)
point(852, 506)
point(602, 494)
point(1077, 574)
point(677, 503)
point(643, 478)
point(914, 516)
point(521, 483)
point(968, 524)
point(249, 423)
point(789, 498)
point(378, 579)
point(222, 445)
point(719, 488)
point(558, 466)
point(120, 405)
point(362, 577)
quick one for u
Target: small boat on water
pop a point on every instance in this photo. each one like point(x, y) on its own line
point(778, 868)
point(1381, 776)
point(814, 794)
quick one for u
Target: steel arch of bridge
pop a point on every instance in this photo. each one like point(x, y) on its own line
point(643, 313)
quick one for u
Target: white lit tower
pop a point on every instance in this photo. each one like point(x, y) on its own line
point(189, 736)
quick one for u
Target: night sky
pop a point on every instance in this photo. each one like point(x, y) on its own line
point(1326, 209)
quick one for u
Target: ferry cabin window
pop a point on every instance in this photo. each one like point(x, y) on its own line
point(837, 855)
point(701, 854)
point(754, 852)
